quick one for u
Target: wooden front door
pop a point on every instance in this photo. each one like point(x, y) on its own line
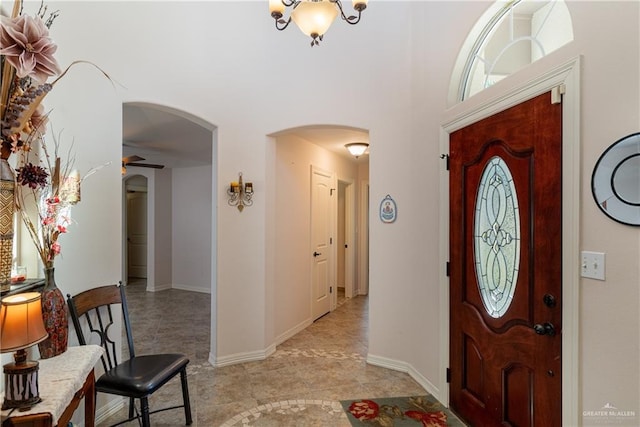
point(506, 271)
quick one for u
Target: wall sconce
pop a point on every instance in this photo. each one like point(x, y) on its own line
point(21, 326)
point(240, 194)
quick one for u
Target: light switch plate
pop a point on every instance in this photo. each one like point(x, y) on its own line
point(592, 265)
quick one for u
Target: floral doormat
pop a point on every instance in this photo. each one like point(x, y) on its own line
point(411, 411)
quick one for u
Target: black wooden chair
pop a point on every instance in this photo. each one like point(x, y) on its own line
point(137, 377)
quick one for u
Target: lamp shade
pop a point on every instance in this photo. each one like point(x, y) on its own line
point(357, 149)
point(314, 17)
point(21, 324)
point(276, 6)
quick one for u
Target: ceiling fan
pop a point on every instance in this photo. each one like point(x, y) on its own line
point(135, 161)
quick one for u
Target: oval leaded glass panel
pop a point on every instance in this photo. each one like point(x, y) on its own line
point(496, 237)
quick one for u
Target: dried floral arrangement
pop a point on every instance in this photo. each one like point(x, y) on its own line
point(53, 188)
point(42, 179)
point(27, 60)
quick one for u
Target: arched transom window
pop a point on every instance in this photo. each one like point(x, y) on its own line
point(510, 36)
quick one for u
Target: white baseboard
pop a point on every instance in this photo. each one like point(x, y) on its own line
point(166, 286)
point(401, 366)
point(291, 332)
point(191, 288)
point(159, 288)
point(249, 356)
point(253, 356)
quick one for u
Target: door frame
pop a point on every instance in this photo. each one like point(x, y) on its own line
point(125, 216)
point(363, 239)
point(567, 77)
point(135, 190)
point(350, 238)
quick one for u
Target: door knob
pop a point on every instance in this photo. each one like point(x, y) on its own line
point(544, 329)
point(315, 254)
point(549, 300)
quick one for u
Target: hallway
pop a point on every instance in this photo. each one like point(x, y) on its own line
point(317, 367)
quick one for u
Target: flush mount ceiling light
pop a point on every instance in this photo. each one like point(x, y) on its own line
point(357, 148)
point(313, 17)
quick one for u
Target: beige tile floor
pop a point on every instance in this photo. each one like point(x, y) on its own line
point(301, 384)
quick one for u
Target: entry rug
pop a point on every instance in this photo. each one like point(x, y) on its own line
point(414, 411)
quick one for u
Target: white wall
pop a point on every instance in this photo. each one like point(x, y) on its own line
point(191, 229)
point(610, 311)
point(404, 293)
point(162, 229)
point(388, 74)
point(179, 223)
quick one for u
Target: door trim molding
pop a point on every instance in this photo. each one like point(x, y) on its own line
point(568, 74)
point(363, 239)
point(350, 238)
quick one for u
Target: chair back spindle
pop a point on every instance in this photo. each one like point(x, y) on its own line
point(127, 322)
point(95, 307)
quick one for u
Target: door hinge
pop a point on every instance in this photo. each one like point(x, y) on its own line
point(330, 289)
point(557, 92)
point(446, 157)
point(448, 375)
point(331, 240)
point(447, 268)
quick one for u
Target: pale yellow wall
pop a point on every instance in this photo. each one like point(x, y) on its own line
point(294, 158)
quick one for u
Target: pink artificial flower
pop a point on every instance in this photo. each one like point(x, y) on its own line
point(55, 248)
point(48, 220)
point(26, 45)
point(62, 229)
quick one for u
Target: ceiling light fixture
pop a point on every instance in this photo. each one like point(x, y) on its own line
point(313, 17)
point(357, 149)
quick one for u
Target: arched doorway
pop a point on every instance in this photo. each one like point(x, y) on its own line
point(178, 164)
point(298, 152)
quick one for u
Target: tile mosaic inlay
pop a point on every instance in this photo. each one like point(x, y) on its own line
point(312, 352)
point(286, 407)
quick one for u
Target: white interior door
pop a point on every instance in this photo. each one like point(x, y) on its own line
point(323, 197)
point(137, 234)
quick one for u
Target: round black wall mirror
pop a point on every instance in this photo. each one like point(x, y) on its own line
point(615, 182)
